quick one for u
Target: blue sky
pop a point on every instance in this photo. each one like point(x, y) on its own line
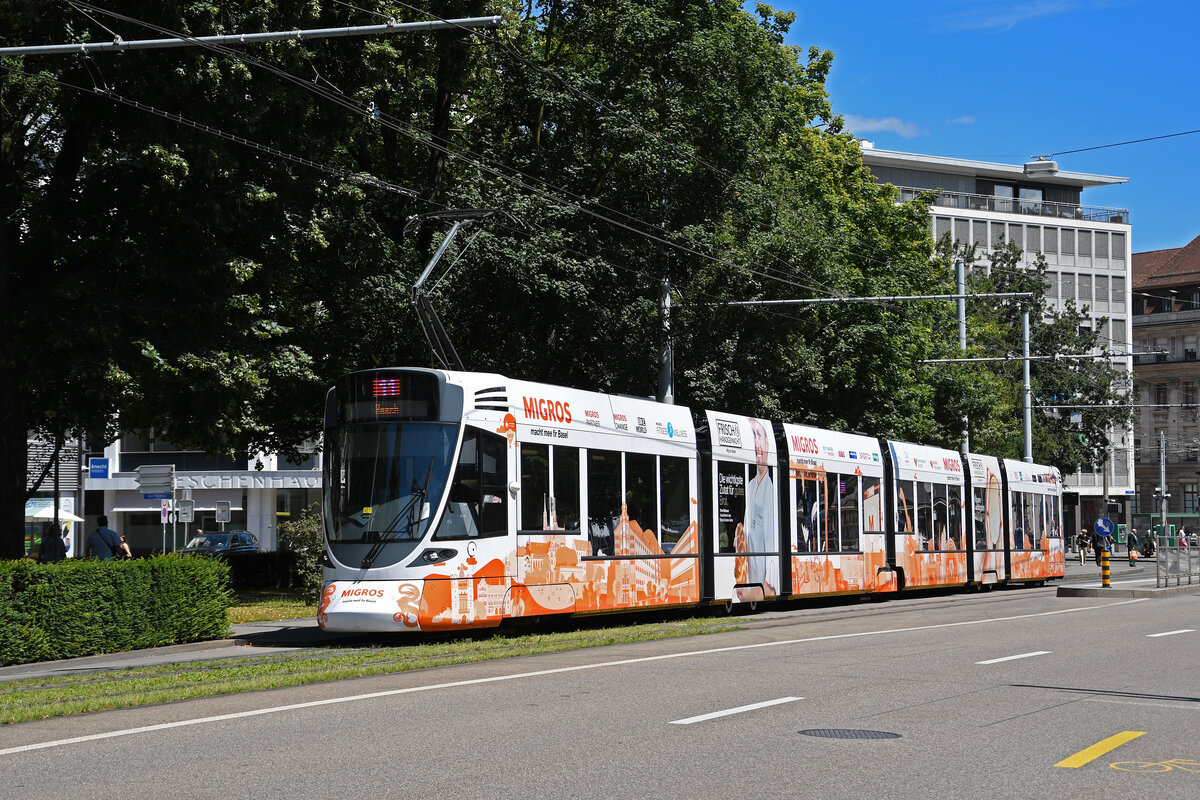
point(1003, 81)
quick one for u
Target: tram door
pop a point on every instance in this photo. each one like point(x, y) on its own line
point(551, 543)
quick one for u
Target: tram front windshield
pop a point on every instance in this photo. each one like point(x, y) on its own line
point(382, 480)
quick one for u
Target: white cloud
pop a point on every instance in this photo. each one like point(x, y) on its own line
point(895, 125)
point(1002, 17)
point(967, 120)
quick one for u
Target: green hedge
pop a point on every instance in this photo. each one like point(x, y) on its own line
point(84, 607)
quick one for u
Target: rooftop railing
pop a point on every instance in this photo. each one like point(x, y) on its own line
point(1015, 205)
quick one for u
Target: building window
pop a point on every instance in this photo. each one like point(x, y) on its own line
point(1004, 195)
point(1189, 498)
point(962, 231)
point(1189, 348)
point(1031, 200)
point(1162, 348)
point(1188, 390)
point(1085, 290)
point(941, 227)
point(1052, 241)
point(1160, 394)
point(1118, 294)
point(1068, 286)
point(1085, 244)
point(1118, 246)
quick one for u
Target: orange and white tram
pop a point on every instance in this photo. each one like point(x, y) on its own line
point(459, 500)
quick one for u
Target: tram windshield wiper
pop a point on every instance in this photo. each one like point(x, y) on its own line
point(415, 503)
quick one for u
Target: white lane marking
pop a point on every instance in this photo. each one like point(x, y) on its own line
point(536, 674)
point(1181, 705)
point(1014, 658)
point(738, 710)
point(1169, 633)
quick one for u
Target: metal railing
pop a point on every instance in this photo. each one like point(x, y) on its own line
point(1177, 563)
point(1016, 205)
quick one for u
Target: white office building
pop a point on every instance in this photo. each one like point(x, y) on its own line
point(1088, 250)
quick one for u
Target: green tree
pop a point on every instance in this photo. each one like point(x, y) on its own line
point(302, 536)
point(637, 139)
point(152, 274)
point(155, 275)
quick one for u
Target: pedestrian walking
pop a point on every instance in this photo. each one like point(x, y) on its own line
point(52, 549)
point(104, 543)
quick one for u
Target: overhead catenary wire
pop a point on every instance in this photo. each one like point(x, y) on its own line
point(181, 40)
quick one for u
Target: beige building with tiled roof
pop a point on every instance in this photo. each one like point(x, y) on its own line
point(1166, 327)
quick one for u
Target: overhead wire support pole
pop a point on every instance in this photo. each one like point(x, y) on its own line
point(1028, 391)
point(249, 38)
point(960, 274)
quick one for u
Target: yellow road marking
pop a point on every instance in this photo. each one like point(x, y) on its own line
point(1090, 754)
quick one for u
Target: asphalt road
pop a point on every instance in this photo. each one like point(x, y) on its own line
point(967, 695)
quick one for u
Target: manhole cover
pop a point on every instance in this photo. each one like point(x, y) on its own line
point(849, 733)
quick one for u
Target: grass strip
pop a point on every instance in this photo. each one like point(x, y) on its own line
point(65, 695)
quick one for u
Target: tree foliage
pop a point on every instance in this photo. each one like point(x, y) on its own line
point(153, 274)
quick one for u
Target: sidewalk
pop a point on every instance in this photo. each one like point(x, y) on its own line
point(1124, 581)
point(247, 639)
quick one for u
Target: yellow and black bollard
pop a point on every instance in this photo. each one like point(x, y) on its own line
point(1104, 579)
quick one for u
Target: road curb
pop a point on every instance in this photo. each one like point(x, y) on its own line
point(1078, 591)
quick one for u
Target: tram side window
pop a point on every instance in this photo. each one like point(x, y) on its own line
point(641, 491)
point(941, 520)
point(564, 508)
point(954, 511)
point(980, 511)
point(810, 508)
point(1039, 520)
point(536, 513)
point(479, 494)
point(904, 507)
point(676, 500)
point(494, 472)
point(1027, 519)
point(848, 503)
point(925, 514)
point(603, 499)
point(1018, 520)
point(872, 504)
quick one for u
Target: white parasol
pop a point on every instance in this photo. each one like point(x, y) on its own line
point(48, 513)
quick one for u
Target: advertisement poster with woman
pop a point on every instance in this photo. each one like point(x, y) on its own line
point(747, 505)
